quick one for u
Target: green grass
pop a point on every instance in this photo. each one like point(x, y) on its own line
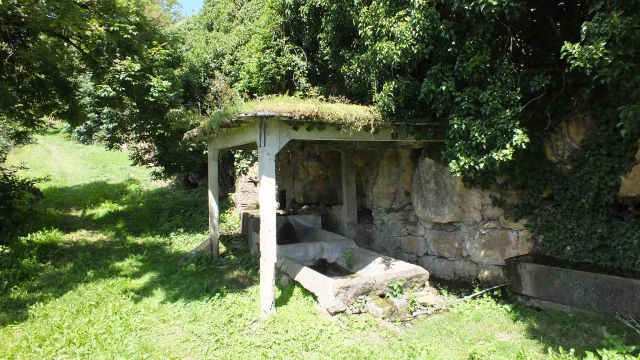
point(100, 278)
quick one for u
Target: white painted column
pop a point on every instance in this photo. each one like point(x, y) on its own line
point(349, 200)
point(268, 147)
point(214, 209)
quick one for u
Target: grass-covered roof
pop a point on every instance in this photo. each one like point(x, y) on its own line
point(316, 111)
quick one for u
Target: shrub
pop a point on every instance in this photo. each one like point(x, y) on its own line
point(18, 197)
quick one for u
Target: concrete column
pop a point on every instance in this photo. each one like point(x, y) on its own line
point(268, 147)
point(214, 209)
point(349, 200)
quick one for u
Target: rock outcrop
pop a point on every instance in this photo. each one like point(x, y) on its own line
point(439, 197)
point(630, 187)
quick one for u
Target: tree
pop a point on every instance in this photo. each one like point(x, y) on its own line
point(87, 61)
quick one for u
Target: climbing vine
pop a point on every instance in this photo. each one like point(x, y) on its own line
point(576, 208)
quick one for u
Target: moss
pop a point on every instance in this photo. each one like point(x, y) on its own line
point(310, 113)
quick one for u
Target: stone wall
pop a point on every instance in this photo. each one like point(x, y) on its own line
point(309, 177)
point(410, 208)
point(434, 220)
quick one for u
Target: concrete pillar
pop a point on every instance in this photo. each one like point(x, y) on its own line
point(268, 147)
point(349, 200)
point(214, 209)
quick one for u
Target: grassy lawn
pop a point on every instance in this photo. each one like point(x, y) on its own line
point(100, 278)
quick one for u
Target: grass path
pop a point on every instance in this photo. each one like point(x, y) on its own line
point(71, 163)
point(99, 278)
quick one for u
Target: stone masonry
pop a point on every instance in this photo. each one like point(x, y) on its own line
point(412, 208)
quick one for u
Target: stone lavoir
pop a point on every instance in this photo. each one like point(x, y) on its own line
point(410, 208)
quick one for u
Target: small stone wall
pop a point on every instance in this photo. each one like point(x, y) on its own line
point(410, 208)
point(454, 232)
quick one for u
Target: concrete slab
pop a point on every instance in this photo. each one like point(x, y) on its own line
point(371, 272)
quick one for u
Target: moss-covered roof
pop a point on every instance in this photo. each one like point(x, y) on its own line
point(295, 110)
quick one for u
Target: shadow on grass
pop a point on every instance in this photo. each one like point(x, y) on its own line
point(552, 328)
point(124, 208)
point(119, 232)
point(582, 331)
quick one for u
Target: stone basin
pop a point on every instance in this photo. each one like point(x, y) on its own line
point(575, 285)
point(364, 272)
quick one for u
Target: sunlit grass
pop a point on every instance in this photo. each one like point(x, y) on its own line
point(100, 277)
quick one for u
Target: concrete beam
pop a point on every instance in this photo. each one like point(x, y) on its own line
point(320, 146)
point(235, 137)
point(332, 134)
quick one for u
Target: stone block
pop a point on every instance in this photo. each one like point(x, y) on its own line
point(316, 176)
point(526, 243)
point(490, 211)
point(630, 187)
point(448, 244)
point(491, 274)
point(574, 287)
point(390, 243)
point(410, 214)
point(393, 180)
point(440, 197)
point(429, 299)
point(492, 247)
point(466, 270)
point(438, 267)
point(401, 306)
point(487, 225)
point(511, 224)
point(399, 255)
point(414, 245)
point(381, 308)
point(410, 229)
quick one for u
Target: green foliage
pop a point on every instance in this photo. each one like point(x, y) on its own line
point(235, 47)
point(18, 195)
point(614, 349)
point(395, 289)
point(18, 198)
point(413, 305)
point(230, 222)
point(467, 65)
point(349, 258)
point(106, 67)
point(583, 219)
point(244, 160)
point(496, 77)
point(359, 305)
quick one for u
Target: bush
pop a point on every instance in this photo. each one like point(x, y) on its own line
point(18, 197)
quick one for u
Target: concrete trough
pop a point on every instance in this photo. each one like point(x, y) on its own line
point(538, 278)
point(353, 271)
